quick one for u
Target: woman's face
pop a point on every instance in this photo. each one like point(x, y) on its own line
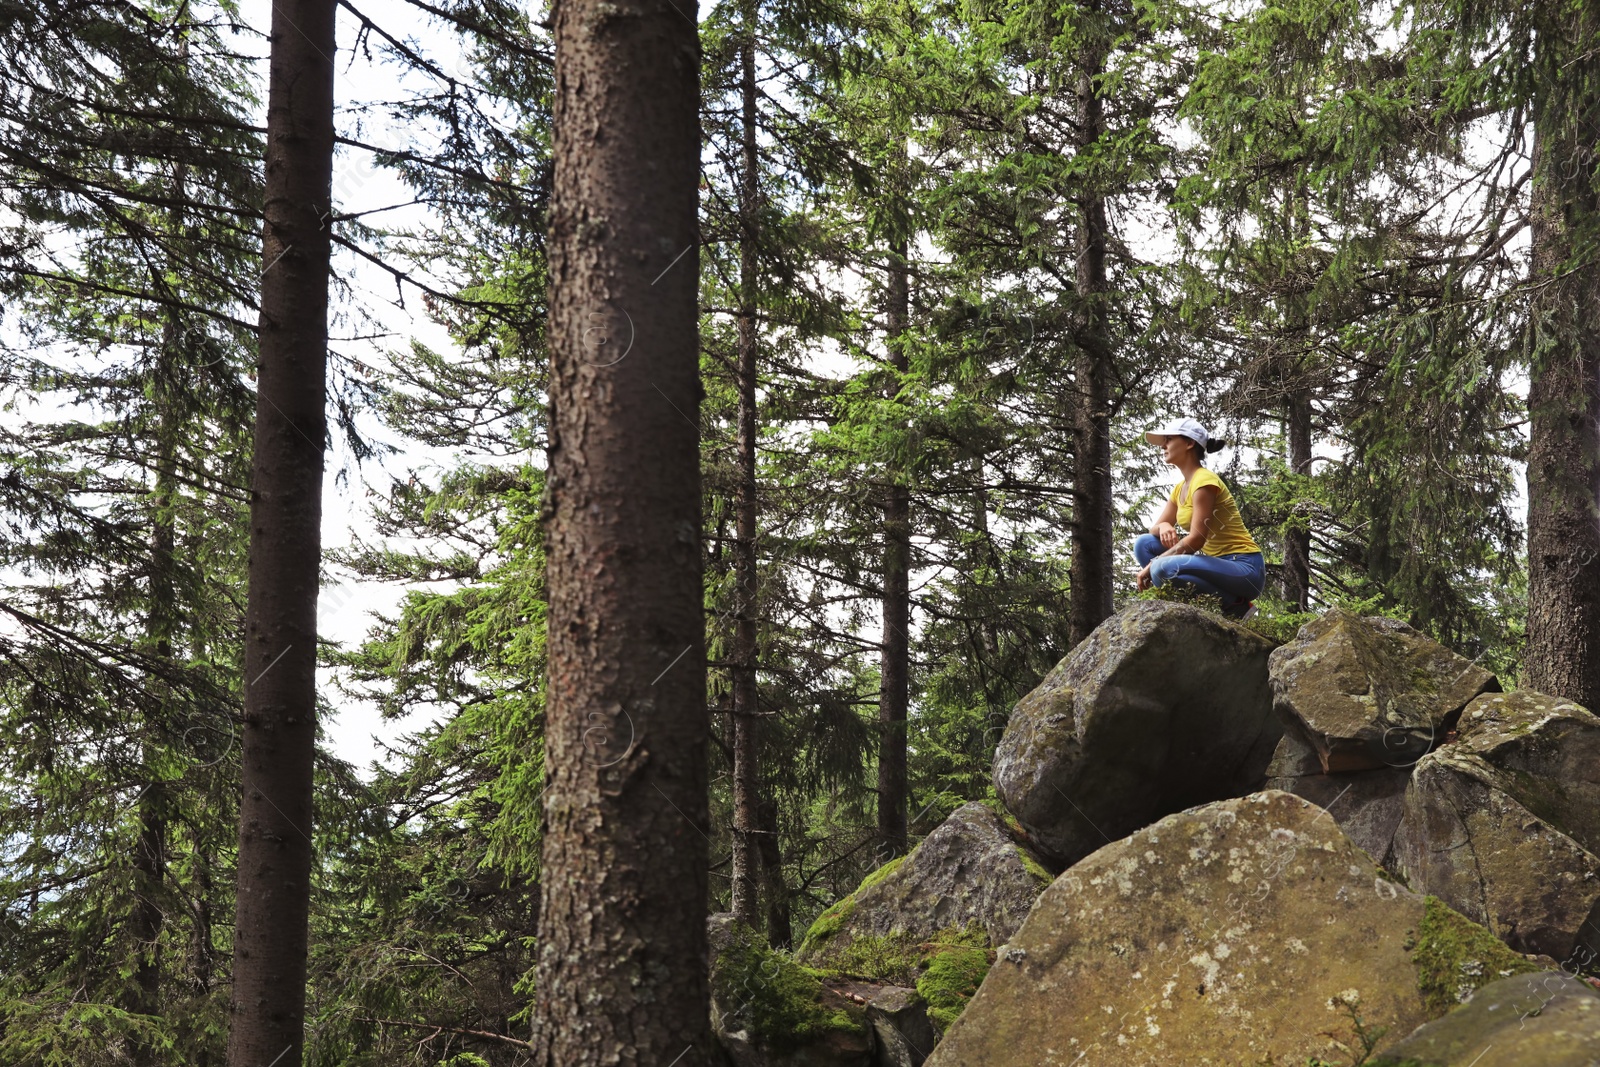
point(1173, 449)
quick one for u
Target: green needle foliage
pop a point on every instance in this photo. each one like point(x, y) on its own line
point(1353, 236)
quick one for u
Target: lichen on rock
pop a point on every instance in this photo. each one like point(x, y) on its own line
point(1370, 692)
point(1242, 932)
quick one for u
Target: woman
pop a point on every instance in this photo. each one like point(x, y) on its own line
point(1217, 555)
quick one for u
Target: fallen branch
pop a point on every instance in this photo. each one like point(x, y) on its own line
point(438, 1028)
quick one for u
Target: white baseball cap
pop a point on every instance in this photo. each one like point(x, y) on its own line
point(1180, 428)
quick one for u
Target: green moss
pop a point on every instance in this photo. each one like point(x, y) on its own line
point(899, 958)
point(1033, 866)
point(892, 958)
point(1182, 593)
point(1391, 876)
point(776, 999)
point(880, 874)
point(832, 920)
point(1278, 622)
point(1423, 680)
point(1455, 957)
point(952, 976)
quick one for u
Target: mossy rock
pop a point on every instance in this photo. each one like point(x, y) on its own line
point(950, 980)
point(1369, 692)
point(900, 958)
point(1243, 932)
point(970, 875)
point(1455, 957)
point(768, 1009)
point(1540, 1019)
point(777, 998)
point(1115, 737)
point(1503, 824)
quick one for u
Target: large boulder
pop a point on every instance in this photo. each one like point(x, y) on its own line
point(1366, 804)
point(1247, 931)
point(970, 882)
point(1547, 1019)
point(1162, 707)
point(1371, 692)
point(1504, 824)
point(768, 1011)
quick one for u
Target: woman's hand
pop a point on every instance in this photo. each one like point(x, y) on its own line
point(1144, 578)
point(1167, 533)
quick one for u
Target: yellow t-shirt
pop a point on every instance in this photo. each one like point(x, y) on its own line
point(1228, 536)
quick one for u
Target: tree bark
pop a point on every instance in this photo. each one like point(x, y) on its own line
point(746, 723)
point(780, 927)
point(1092, 525)
point(895, 665)
point(280, 656)
point(1563, 653)
point(150, 853)
point(621, 974)
point(1297, 541)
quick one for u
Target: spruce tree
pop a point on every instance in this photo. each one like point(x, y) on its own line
point(278, 737)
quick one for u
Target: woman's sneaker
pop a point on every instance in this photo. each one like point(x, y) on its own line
point(1241, 611)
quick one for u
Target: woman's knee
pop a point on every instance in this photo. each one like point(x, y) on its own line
point(1165, 568)
point(1146, 548)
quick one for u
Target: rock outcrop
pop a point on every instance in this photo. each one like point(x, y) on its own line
point(1367, 693)
point(1163, 707)
point(1247, 931)
point(1504, 824)
point(1547, 1019)
point(970, 881)
point(1367, 805)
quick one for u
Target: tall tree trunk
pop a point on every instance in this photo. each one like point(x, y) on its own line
point(622, 923)
point(983, 558)
point(1297, 541)
point(1563, 656)
point(895, 669)
point(280, 656)
point(780, 928)
point(746, 721)
point(1092, 525)
point(150, 853)
point(201, 950)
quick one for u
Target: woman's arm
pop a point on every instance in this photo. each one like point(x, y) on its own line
point(1205, 501)
point(1164, 527)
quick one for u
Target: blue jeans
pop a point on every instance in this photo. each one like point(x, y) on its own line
point(1236, 579)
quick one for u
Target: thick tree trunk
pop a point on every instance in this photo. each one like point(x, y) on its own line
point(1297, 541)
point(746, 721)
point(1563, 654)
point(622, 924)
point(895, 667)
point(280, 655)
point(1092, 525)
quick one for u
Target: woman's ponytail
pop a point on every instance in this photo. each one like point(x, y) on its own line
point(1216, 444)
